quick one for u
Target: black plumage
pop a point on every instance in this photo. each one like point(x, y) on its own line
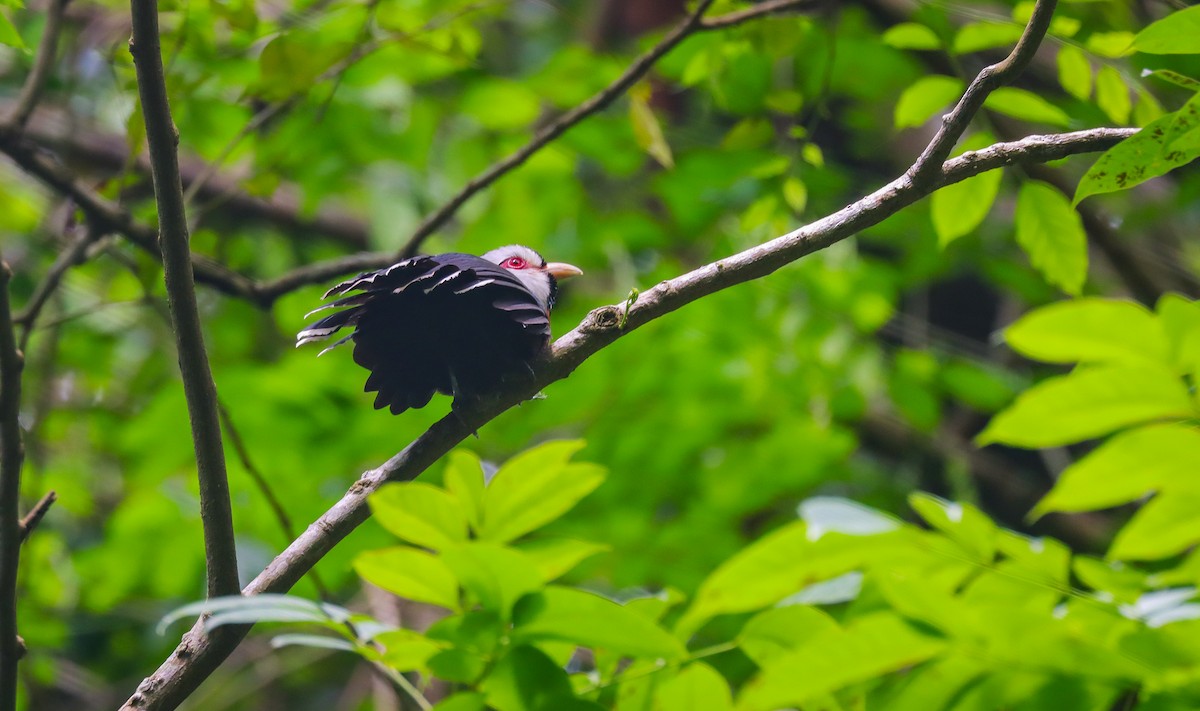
point(450, 323)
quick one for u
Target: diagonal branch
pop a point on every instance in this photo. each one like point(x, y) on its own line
point(695, 22)
point(198, 387)
point(43, 62)
point(988, 80)
point(198, 655)
point(11, 455)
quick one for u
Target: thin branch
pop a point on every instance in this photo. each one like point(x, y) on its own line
point(75, 253)
point(11, 455)
point(322, 271)
point(35, 515)
point(198, 655)
point(771, 7)
point(43, 62)
point(264, 487)
point(198, 387)
point(988, 80)
point(107, 217)
point(553, 130)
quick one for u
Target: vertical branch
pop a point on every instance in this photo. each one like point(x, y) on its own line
point(11, 455)
point(198, 384)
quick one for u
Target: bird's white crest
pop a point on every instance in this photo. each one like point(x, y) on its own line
point(534, 277)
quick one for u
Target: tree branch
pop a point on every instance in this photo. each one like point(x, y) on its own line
point(11, 455)
point(35, 515)
point(988, 80)
point(198, 655)
point(107, 217)
point(31, 91)
point(198, 387)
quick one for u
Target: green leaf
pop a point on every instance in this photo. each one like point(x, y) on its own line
point(463, 701)
point(962, 523)
point(590, 620)
point(464, 479)
point(1091, 330)
point(1177, 33)
point(1126, 468)
point(420, 513)
point(525, 679)
point(291, 63)
point(239, 609)
point(1180, 320)
point(534, 488)
point(697, 687)
point(978, 36)
point(1180, 80)
point(911, 35)
point(1166, 144)
point(554, 557)
point(1052, 234)
point(9, 34)
point(1074, 71)
point(1112, 95)
point(925, 98)
point(867, 648)
point(406, 650)
point(500, 104)
point(647, 130)
point(316, 641)
point(1110, 44)
point(1087, 403)
point(959, 208)
point(981, 386)
point(780, 564)
point(1166, 526)
point(495, 574)
point(795, 194)
point(1026, 105)
point(772, 633)
point(410, 573)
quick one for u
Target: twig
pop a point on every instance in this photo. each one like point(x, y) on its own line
point(35, 515)
point(988, 80)
point(264, 487)
point(11, 455)
point(107, 217)
point(69, 257)
point(322, 271)
point(31, 91)
point(197, 655)
point(198, 387)
point(553, 130)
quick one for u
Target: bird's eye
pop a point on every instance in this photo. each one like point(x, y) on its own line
point(515, 263)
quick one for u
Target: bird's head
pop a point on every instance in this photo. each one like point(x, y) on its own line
point(540, 277)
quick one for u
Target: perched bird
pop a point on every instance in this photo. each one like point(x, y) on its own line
point(449, 323)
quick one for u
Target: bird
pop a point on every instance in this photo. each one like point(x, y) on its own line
point(453, 323)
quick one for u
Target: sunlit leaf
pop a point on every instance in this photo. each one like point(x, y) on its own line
point(978, 36)
point(911, 35)
point(495, 574)
point(962, 523)
point(556, 556)
point(1112, 94)
point(773, 633)
point(420, 513)
point(1074, 71)
point(1127, 467)
point(867, 648)
point(410, 573)
point(1164, 527)
point(1025, 105)
point(587, 619)
point(1089, 402)
point(959, 208)
point(1051, 233)
point(647, 129)
point(697, 686)
point(534, 488)
point(1177, 33)
point(1090, 330)
point(1165, 144)
point(924, 98)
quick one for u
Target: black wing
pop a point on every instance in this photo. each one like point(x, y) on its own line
point(451, 323)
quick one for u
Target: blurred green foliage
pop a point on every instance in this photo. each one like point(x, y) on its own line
point(860, 372)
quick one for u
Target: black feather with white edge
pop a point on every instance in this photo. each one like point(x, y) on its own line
point(450, 323)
